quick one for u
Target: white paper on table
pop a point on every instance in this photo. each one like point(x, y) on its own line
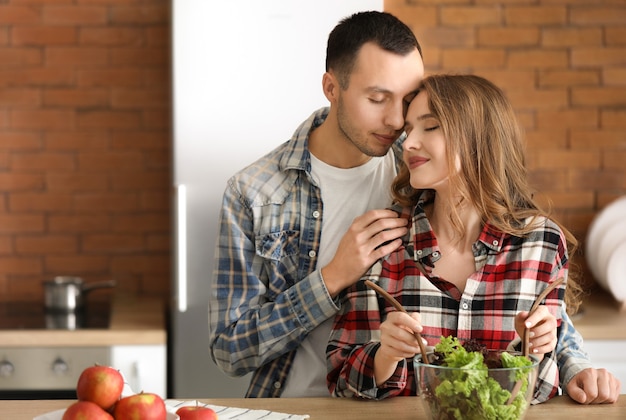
point(226, 413)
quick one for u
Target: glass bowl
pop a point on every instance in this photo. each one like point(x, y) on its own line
point(473, 393)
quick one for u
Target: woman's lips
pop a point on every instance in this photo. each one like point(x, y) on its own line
point(415, 161)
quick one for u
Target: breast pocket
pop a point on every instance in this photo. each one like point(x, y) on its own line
point(280, 253)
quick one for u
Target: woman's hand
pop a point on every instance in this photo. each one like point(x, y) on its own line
point(397, 342)
point(542, 325)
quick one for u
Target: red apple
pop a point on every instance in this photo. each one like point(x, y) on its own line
point(144, 405)
point(85, 410)
point(101, 385)
point(196, 412)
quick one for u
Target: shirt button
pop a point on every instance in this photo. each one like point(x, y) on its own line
point(465, 305)
point(312, 254)
point(495, 243)
point(418, 252)
point(277, 385)
point(435, 254)
point(316, 214)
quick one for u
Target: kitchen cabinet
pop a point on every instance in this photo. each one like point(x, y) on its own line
point(143, 366)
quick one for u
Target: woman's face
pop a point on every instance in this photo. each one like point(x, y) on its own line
point(424, 150)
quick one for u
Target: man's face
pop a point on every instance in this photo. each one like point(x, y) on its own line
point(371, 110)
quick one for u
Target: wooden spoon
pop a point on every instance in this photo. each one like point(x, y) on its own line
point(536, 303)
point(391, 300)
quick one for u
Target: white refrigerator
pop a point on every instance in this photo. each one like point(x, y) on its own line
point(246, 73)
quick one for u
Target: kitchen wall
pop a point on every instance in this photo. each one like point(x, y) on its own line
point(84, 143)
point(85, 121)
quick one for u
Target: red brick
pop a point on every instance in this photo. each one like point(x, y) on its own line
point(597, 180)
point(157, 119)
point(594, 140)
point(117, 202)
point(155, 200)
point(4, 36)
point(539, 99)
point(416, 16)
point(599, 96)
point(128, 181)
point(473, 59)
point(48, 244)
point(6, 246)
point(538, 59)
point(19, 14)
point(75, 15)
point(140, 14)
point(110, 161)
point(21, 223)
point(42, 161)
point(509, 37)
point(140, 140)
point(19, 97)
point(140, 98)
point(585, 118)
point(615, 36)
point(43, 35)
point(20, 140)
point(158, 36)
point(149, 222)
point(76, 263)
point(41, 118)
point(613, 118)
point(120, 78)
point(510, 79)
point(158, 242)
point(108, 119)
point(11, 57)
point(127, 36)
point(20, 265)
point(571, 37)
point(615, 76)
point(470, 15)
point(535, 15)
point(21, 182)
point(444, 37)
point(566, 159)
point(141, 264)
point(77, 140)
point(135, 57)
point(36, 77)
point(603, 57)
point(77, 56)
point(113, 243)
point(568, 77)
point(614, 160)
point(40, 202)
point(76, 181)
point(546, 139)
point(564, 200)
point(79, 223)
point(594, 15)
point(546, 179)
point(74, 97)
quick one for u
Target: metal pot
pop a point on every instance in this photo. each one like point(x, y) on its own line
point(66, 294)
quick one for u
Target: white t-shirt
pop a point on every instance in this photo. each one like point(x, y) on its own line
point(346, 194)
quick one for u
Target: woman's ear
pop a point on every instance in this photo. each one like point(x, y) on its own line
point(330, 87)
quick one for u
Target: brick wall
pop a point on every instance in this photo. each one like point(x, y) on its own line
point(84, 143)
point(563, 65)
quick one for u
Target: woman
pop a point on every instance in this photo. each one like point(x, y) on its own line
point(478, 253)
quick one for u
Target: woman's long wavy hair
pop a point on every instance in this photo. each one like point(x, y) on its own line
point(479, 124)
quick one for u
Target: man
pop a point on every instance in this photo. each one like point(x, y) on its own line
point(277, 275)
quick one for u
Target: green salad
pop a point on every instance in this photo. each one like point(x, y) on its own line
point(471, 392)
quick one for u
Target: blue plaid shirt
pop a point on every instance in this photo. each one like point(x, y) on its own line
point(267, 293)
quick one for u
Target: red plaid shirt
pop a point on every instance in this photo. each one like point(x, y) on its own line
point(510, 272)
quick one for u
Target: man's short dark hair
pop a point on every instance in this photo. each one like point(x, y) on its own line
point(347, 38)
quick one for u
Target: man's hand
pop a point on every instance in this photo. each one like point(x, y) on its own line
point(370, 237)
point(594, 386)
